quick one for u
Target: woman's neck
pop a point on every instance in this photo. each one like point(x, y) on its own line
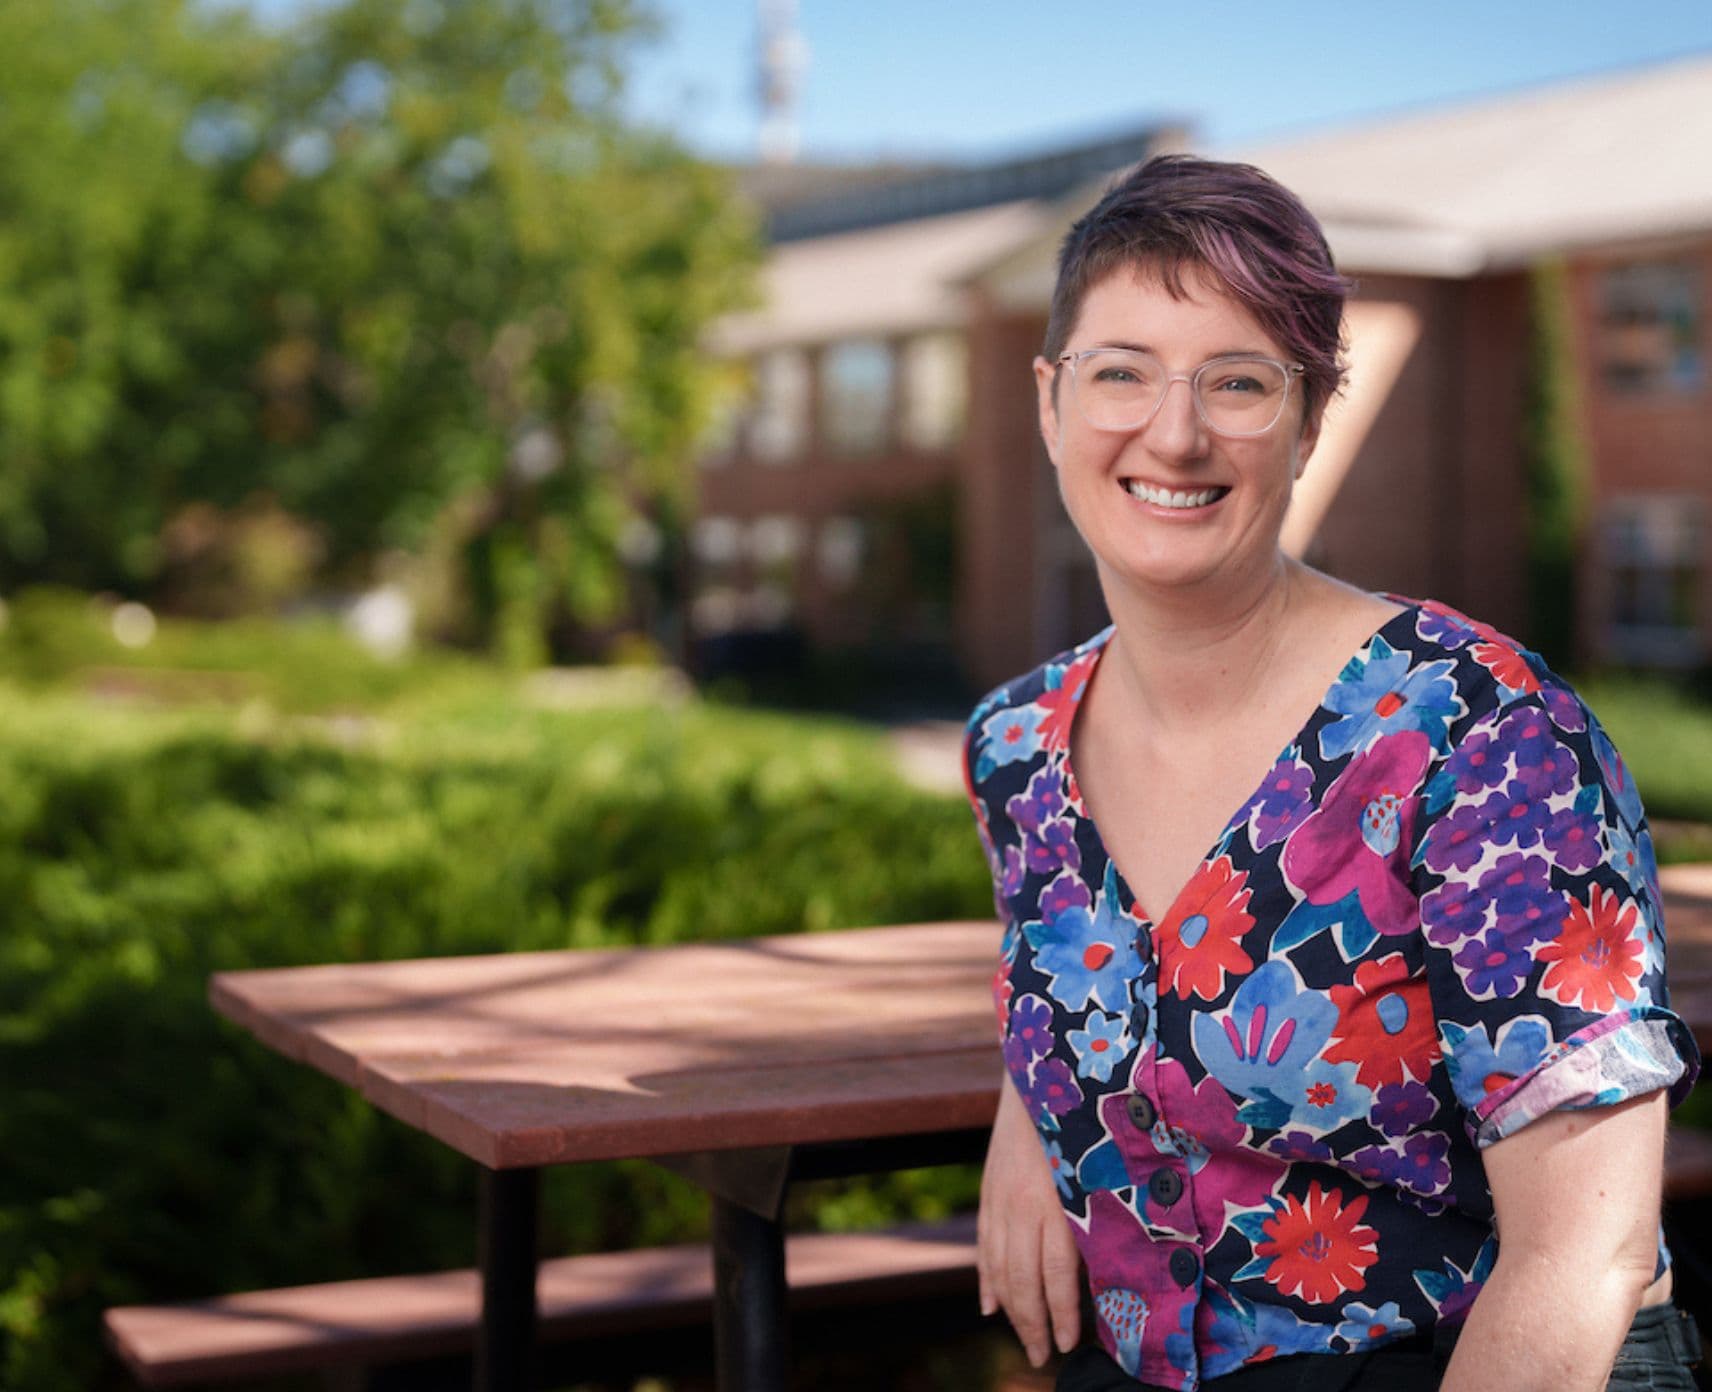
point(1186, 659)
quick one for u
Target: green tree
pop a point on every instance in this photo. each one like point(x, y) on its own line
point(403, 268)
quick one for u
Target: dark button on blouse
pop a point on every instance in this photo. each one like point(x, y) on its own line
point(1138, 1020)
point(1141, 1112)
point(1166, 1186)
point(1184, 1268)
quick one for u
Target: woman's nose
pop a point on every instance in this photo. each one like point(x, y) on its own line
point(1177, 429)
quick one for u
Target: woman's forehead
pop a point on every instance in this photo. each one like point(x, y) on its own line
point(1137, 305)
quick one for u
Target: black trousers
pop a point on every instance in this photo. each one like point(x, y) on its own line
point(1661, 1347)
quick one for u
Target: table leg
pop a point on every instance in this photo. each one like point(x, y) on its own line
point(505, 1342)
point(749, 1326)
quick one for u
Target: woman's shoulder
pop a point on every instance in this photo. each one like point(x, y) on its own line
point(1029, 716)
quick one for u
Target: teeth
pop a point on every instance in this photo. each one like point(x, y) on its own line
point(1165, 497)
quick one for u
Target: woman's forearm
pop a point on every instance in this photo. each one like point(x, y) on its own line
point(1545, 1323)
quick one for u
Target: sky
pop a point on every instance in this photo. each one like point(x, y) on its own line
point(973, 79)
point(979, 79)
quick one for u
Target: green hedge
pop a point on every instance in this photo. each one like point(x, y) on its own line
point(148, 1150)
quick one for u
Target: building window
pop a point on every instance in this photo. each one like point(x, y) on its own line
point(778, 430)
point(856, 396)
point(838, 552)
point(1653, 549)
point(1650, 331)
point(717, 542)
point(718, 442)
point(936, 391)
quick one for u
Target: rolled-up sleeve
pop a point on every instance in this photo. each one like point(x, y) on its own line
point(1541, 916)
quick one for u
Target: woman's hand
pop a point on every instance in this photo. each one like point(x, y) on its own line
point(1025, 1255)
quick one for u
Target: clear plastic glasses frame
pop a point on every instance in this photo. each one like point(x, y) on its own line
point(1108, 414)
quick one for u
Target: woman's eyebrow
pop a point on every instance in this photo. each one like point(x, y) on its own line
point(1249, 352)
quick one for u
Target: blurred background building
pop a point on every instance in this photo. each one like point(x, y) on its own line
point(1527, 429)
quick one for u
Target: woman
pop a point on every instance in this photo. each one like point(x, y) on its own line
point(1280, 1075)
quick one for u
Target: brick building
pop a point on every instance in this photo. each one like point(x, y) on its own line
point(885, 485)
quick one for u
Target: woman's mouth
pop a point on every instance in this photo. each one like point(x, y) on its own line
point(1184, 498)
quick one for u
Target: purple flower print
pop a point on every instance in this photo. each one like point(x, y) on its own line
point(1566, 712)
point(1529, 733)
point(1051, 846)
point(1054, 1089)
point(1019, 1063)
point(1457, 840)
point(1452, 912)
point(1031, 1025)
point(1422, 1165)
point(1065, 893)
point(1300, 1145)
point(1515, 816)
point(1400, 1107)
point(1573, 839)
point(1450, 631)
point(1042, 800)
point(1013, 873)
point(1493, 965)
point(1550, 770)
point(1282, 804)
point(1519, 888)
point(1479, 761)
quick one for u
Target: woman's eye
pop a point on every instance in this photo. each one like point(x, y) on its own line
point(1237, 385)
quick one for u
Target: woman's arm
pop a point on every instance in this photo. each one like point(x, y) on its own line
point(1026, 1257)
point(1577, 1201)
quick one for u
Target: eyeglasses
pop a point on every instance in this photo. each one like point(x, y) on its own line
point(1123, 389)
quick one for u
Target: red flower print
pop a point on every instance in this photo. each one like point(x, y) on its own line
point(1597, 957)
point(1321, 1249)
point(1500, 657)
point(1385, 1024)
point(1201, 938)
point(1060, 704)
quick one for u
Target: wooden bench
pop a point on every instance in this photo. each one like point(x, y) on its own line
point(356, 1324)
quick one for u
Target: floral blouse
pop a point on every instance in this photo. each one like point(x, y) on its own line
point(1436, 919)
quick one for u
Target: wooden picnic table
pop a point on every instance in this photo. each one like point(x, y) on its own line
point(743, 1065)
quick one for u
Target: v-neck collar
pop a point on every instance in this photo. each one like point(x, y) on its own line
point(1098, 646)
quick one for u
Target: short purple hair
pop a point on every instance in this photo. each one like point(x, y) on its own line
point(1244, 227)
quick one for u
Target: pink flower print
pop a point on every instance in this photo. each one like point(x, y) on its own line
point(1358, 840)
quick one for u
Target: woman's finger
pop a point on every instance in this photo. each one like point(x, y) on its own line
point(1060, 1275)
point(1022, 1296)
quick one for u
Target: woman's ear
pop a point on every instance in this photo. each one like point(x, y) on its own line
point(1306, 441)
point(1046, 388)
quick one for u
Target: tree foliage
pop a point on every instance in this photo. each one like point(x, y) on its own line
point(401, 270)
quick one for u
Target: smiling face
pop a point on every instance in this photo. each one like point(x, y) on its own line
point(1170, 505)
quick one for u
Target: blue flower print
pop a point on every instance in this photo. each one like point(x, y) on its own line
point(1102, 1046)
point(1124, 1313)
point(1365, 1327)
point(1617, 776)
point(1091, 956)
point(1381, 694)
point(1056, 1163)
point(1008, 737)
point(1265, 1047)
point(1633, 856)
point(1452, 1290)
point(1479, 1067)
point(1237, 1328)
